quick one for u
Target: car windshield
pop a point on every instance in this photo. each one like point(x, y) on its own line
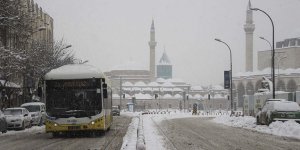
point(13, 112)
point(115, 107)
point(32, 108)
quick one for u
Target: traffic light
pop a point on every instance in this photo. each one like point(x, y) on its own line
point(187, 97)
point(123, 96)
point(156, 95)
point(227, 97)
point(208, 96)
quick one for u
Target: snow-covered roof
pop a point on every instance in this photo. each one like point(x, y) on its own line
point(267, 71)
point(217, 87)
point(10, 84)
point(197, 96)
point(218, 96)
point(74, 71)
point(130, 65)
point(286, 106)
point(167, 96)
point(197, 88)
point(142, 96)
point(175, 80)
point(140, 83)
point(177, 96)
point(160, 80)
point(177, 90)
point(153, 84)
point(167, 84)
point(127, 84)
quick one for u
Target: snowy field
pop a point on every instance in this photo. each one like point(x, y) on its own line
point(286, 129)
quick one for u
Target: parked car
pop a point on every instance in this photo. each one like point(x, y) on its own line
point(3, 124)
point(37, 111)
point(115, 110)
point(17, 118)
point(278, 110)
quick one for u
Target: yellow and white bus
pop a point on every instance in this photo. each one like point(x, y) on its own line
point(78, 98)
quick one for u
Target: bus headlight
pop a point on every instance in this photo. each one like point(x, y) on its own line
point(93, 122)
point(55, 124)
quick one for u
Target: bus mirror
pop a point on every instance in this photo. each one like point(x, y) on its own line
point(39, 92)
point(105, 93)
point(104, 86)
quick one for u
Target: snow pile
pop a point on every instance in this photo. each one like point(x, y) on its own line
point(129, 140)
point(153, 139)
point(32, 130)
point(287, 129)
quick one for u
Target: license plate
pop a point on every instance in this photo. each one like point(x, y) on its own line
point(73, 127)
point(291, 116)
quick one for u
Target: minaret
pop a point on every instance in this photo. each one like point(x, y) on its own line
point(249, 28)
point(152, 45)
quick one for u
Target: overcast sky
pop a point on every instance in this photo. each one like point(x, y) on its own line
point(113, 32)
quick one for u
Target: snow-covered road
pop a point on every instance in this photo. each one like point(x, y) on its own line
point(184, 131)
point(35, 138)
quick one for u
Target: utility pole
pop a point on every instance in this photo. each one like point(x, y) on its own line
point(121, 93)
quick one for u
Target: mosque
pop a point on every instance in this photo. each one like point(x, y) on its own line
point(156, 88)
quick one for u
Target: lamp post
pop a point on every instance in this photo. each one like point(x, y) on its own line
point(271, 48)
point(231, 101)
point(273, 51)
point(279, 59)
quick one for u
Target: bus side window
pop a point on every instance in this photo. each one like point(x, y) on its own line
point(105, 95)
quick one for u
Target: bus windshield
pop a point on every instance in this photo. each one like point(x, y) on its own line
point(72, 98)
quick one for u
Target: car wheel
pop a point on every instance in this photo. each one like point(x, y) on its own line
point(23, 126)
point(4, 131)
point(268, 121)
point(41, 122)
point(257, 121)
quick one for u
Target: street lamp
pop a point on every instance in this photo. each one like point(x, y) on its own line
point(273, 51)
point(279, 59)
point(266, 41)
point(270, 49)
point(231, 101)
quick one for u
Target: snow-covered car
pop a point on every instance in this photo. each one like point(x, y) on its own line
point(278, 110)
point(37, 111)
point(115, 111)
point(3, 124)
point(17, 118)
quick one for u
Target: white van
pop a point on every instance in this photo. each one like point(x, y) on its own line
point(37, 111)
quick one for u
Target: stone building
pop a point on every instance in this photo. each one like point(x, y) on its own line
point(23, 25)
point(287, 54)
point(36, 25)
point(132, 83)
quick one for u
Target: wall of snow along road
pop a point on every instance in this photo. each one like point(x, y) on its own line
point(130, 139)
point(279, 128)
point(32, 130)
